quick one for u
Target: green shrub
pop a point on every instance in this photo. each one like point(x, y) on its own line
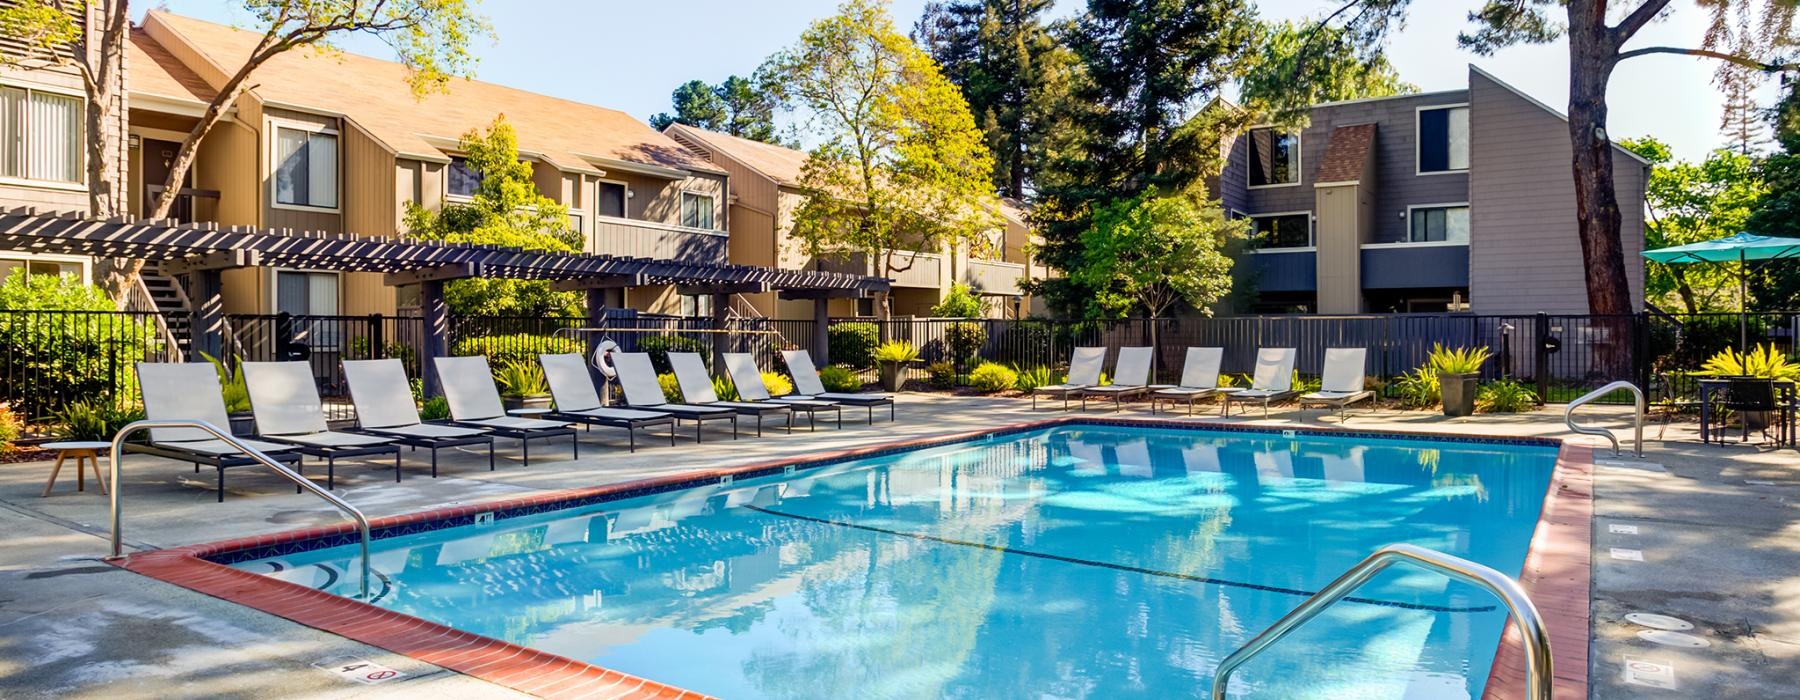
point(964, 340)
point(990, 377)
point(87, 353)
point(98, 421)
point(10, 428)
point(520, 347)
point(777, 383)
point(434, 408)
point(853, 344)
point(659, 347)
point(1762, 361)
point(1306, 385)
point(1418, 389)
point(942, 375)
point(896, 351)
point(1456, 361)
point(520, 380)
point(1505, 396)
point(236, 394)
point(774, 383)
point(960, 302)
point(671, 387)
point(840, 379)
point(1035, 377)
point(725, 389)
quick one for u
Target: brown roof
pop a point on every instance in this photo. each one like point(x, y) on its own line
point(375, 95)
point(1348, 152)
point(779, 163)
point(154, 71)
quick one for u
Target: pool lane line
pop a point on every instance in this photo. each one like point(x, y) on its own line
point(1120, 567)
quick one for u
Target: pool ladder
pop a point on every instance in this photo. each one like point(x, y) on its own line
point(1535, 638)
point(118, 445)
point(1637, 443)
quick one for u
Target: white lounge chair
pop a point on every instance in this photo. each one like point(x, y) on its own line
point(190, 391)
point(286, 404)
point(637, 376)
point(749, 382)
point(1342, 384)
point(577, 402)
point(1199, 379)
point(1084, 372)
point(697, 390)
point(475, 402)
point(384, 407)
point(1273, 380)
point(809, 388)
point(1131, 377)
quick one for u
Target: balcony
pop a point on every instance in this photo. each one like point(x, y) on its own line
point(191, 204)
point(926, 270)
point(647, 239)
point(993, 277)
point(1415, 266)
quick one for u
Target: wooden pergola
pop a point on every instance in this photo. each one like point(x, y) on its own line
point(198, 253)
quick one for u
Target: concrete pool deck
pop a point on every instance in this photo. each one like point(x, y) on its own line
point(1714, 532)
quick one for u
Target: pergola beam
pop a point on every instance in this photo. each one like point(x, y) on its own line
point(439, 273)
point(216, 260)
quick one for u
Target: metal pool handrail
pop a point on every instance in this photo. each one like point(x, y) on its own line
point(1638, 437)
point(118, 446)
point(1536, 639)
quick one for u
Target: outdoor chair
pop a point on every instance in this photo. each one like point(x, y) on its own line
point(190, 391)
point(572, 388)
point(809, 388)
point(286, 404)
point(1342, 384)
point(1084, 372)
point(1131, 377)
point(1199, 379)
point(741, 366)
point(697, 390)
point(1745, 395)
point(1273, 380)
point(638, 378)
point(475, 402)
point(384, 407)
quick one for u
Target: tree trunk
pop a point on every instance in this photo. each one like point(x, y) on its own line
point(1593, 51)
point(104, 65)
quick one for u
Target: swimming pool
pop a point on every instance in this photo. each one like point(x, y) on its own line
point(1080, 560)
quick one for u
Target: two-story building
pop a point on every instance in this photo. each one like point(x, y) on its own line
point(766, 193)
point(1460, 200)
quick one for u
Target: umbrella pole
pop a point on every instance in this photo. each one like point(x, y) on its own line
point(1743, 295)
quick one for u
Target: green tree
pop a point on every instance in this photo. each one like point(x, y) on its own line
point(1743, 34)
point(1742, 123)
point(1143, 69)
point(900, 167)
point(1338, 69)
point(1690, 203)
point(1775, 285)
point(960, 302)
point(505, 210)
point(737, 106)
point(1013, 72)
point(1154, 251)
point(430, 37)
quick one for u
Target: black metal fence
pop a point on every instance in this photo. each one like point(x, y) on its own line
point(49, 359)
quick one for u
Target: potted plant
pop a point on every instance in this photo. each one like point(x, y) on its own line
point(522, 385)
point(890, 357)
point(236, 395)
point(1459, 375)
point(1761, 362)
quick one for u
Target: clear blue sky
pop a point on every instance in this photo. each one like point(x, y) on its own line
point(636, 52)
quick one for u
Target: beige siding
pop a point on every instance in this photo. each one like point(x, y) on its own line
point(300, 219)
point(363, 293)
point(227, 162)
point(1524, 250)
point(369, 175)
point(1339, 259)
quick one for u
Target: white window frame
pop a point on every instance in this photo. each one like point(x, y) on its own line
point(1299, 158)
point(1419, 142)
point(681, 208)
point(1410, 243)
point(86, 263)
point(626, 202)
point(1312, 231)
point(337, 179)
point(81, 140)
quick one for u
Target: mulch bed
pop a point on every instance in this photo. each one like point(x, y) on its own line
point(26, 453)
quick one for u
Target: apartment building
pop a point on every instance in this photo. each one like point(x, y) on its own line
point(1460, 200)
point(765, 194)
point(337, 142)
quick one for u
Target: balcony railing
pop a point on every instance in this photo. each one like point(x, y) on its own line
point(926, 269)
point(646, 239)
point(191, 204)
point(994, 277)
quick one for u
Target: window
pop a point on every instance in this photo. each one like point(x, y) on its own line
point(42, 266)
point(697, 210)
point(305, 168)
point(1443, 139)
point(1439, 224)
point(1284, 230)
point(612, 199)
point(462, 180)
point(1274, 157)
point(696, 305)
point(40, 136)
point(306, 293)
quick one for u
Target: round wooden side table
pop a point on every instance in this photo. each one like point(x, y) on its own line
point(84, 452)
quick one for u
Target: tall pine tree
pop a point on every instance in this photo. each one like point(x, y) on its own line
point(1742, 123)
point(1145, 69)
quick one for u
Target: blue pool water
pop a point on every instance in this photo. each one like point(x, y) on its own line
point(1075, 562)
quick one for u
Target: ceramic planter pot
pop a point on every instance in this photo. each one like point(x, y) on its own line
point(512, 402)
point(1458, 391)
point(242, 423)
point(890, 376)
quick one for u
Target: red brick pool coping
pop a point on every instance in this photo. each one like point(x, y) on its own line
point(1556, 576)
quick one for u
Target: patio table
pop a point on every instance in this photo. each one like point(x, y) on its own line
point(1784, 397)
point(86, 453)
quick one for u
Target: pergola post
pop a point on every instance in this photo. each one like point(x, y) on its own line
point(721, 303)
point(205, 289)
point(821, 349)
point(437, 332)
point(596, 318)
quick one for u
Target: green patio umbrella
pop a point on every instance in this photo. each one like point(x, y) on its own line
point(1741, 248)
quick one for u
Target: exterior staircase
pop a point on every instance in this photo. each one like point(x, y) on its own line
point(165, 296)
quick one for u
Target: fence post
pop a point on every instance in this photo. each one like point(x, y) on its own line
point(1640, 349)
point(377, 343)
point(821, 349)
point(1541, 357)
point(437, 329)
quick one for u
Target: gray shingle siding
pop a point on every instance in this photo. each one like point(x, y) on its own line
point(1524, 250)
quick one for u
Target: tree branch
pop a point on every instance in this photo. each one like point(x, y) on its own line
point(1635, 21)
point(1744, 61)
